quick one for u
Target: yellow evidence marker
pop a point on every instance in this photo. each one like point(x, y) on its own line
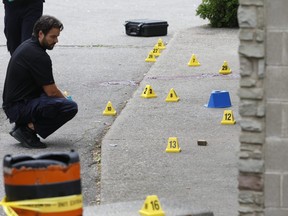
point(160, 44)
point(228, 117)
point(225, 69)
point(172, 96)
point(193, 61)
point(151, 207)
point(173, 146)
point(148, 92)
point(150, 57)
point(156, 51)
point(109, 110)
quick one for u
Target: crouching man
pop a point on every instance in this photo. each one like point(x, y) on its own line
point(31, 99)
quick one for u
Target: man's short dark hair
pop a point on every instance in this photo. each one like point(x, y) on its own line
point(45, 23)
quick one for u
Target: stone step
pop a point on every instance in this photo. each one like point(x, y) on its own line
point(170, 207)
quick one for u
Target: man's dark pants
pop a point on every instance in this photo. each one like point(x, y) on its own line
point(46, 113)
point(19, 21)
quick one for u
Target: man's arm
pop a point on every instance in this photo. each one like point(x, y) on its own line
point(52, 91)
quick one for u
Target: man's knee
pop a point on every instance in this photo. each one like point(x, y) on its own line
point(55, 107)
point(66, 111)
point(69, 109)
point(73, 108)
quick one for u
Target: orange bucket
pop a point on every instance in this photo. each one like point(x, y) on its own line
point(52, 175)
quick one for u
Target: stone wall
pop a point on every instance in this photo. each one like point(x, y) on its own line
point(263, 108)
point(252, 107)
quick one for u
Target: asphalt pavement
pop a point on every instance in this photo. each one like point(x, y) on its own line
point(96, 64)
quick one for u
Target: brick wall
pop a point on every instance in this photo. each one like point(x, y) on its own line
point(263, 92)
point(276, 87)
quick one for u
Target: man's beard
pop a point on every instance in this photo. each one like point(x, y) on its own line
point(47, 46)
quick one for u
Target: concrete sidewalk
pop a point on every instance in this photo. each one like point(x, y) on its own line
point(134, 163)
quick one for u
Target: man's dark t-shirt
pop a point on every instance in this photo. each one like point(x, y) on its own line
point(29, 69)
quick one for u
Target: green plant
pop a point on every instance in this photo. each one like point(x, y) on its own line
point(220, 13)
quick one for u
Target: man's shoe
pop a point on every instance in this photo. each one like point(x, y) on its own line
point(27, 138)
point(15, 127)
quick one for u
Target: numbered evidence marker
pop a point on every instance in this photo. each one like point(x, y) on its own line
point(225, 69)
point(228, 117)
point(160, 44)
point(172, 96)
point(150, 57)
point(156, 51)
point(148, 92)
point(193, 61)
point(151, 207)
point(173, 145)
point(109, 110)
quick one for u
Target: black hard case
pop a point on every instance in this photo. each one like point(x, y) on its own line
point(146, 28)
